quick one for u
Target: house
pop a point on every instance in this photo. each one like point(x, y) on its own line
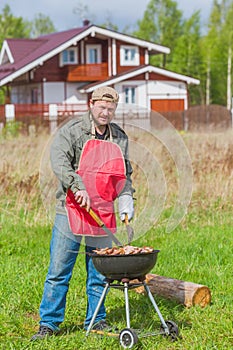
point(65, 67)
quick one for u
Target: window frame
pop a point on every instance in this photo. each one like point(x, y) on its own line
point(129, 62)
point(131, 98)
point(70, 49)
point(98, 48)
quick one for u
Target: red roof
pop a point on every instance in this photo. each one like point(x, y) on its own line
point(26, 54)
point(25, 51)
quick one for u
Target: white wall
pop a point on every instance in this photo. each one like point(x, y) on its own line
point(59, 92)
point(72, 90)
point(53, 92)
point(153, 89)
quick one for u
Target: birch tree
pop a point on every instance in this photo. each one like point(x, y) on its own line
point(227, 39)
point(186, 56)
point(162, 24)
point(217, 54)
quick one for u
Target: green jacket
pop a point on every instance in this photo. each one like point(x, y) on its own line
point(66, 150)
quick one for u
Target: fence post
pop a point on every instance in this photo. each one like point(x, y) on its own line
point(10, 112)
point(185, 120)
point(53, 114)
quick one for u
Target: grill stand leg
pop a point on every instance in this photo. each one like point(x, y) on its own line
point(165, 327)
point(97, 308)
point(127, 304)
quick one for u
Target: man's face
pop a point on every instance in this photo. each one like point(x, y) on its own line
point(102, 112)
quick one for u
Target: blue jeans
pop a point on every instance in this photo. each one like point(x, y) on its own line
point(64, 248)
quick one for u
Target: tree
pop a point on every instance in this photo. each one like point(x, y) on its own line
point(11, 26)
point(226, 37)
point(161, 23)
point(217, 53)
point(186, 56)
point(17, 27)
point(41, 25)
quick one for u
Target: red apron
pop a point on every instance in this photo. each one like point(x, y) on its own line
point(102, 169)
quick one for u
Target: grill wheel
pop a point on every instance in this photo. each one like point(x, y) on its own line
point(128, 338)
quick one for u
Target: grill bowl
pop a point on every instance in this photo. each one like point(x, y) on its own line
point(117, 267)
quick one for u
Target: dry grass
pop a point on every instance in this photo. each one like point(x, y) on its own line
point(212, 158)
point(197, 251)
point(19, 175)
point(211, 154)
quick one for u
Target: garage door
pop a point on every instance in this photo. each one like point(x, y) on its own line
point(167, 105)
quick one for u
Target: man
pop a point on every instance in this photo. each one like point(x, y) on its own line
point(67, 159)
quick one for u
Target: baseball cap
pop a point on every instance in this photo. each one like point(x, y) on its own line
point(105, 93)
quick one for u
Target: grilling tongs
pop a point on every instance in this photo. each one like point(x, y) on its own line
point(109, 233)
point(129, 229)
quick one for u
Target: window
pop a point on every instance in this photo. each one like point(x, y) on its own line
point(93, 54)
point(69, 56)
point(129, 55)
point(130, 94)
point(34, 95)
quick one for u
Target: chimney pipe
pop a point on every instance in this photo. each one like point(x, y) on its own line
point(86, 22)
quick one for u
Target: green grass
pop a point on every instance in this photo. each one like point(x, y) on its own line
point(199, 251)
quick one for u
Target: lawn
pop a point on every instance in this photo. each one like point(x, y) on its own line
point(199, 250)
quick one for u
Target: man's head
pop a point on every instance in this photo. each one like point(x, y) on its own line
point(103, 104)
point(106, 93)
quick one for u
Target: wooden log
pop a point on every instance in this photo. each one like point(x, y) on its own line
point(186, 293)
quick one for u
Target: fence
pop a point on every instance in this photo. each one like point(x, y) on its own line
point(213, 117)
point(40, 115)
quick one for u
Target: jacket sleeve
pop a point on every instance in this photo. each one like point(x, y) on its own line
point(63, 161)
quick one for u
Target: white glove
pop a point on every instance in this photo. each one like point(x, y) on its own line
point(126, 206)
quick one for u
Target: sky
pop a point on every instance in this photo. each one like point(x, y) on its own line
point(122, 13)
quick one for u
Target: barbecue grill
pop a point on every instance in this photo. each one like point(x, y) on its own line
point(121, 271)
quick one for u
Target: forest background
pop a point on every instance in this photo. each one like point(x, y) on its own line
point(203, 54)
